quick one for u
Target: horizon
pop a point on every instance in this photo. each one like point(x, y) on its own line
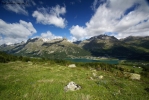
point(64, 38)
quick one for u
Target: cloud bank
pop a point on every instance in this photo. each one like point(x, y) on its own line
point(51, 16)
point(120, 18)
point(48, 35)
point(15, 32)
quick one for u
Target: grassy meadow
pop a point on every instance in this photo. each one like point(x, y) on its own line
point(46, 80)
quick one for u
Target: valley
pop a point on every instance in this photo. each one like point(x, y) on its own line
point(33, 78)
point(74, 50)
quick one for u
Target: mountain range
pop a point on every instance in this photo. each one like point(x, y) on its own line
point(40, 47)
point(132, 47)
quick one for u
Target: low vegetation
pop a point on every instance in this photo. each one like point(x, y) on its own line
point(41, 79)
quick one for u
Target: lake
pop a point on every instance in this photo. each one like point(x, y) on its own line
point(109, 61)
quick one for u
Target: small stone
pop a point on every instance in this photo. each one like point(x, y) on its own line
point(94, 74)
point(100, 77)
point(72, 65)
point(91, 78)
point(72, 86)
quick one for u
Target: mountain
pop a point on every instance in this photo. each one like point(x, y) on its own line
point(110, 46)
point(39, 47)
point(136, 48)
point(137, 41)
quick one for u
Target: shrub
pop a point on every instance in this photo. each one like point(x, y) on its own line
point(132, 71)
point(146, 89)
point(3, 59)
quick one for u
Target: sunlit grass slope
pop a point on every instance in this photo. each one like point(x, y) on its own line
point(46, 81)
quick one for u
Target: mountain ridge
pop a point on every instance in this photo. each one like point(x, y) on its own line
point(102, 45)
point(37, 47)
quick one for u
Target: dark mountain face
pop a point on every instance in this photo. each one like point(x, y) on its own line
point(110, 46)
point(99, 42)
point(77, 42)
point(137, 41)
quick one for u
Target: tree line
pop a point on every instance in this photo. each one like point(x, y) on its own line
point(4, 58)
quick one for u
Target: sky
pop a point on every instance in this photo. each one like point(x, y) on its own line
point(72, 19)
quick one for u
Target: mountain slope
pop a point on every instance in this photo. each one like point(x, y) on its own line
point(110, 46)
point(37, 47)
point(137, 41)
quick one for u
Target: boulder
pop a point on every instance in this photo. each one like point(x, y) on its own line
point(72, 86)
point(72, 65)
point(135, 76)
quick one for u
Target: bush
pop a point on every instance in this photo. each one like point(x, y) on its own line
point(96, 65)
point(132, 71)
point(145, 74)
point(146, 89)
point(26, 59)
point(3, 59)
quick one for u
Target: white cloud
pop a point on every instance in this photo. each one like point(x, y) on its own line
point(94, 6)
point(128, 17)
point(72, 39)
point(18, 6)
point(15, 32)
point(51, 16)
point(49, 35)
point(78, 32)
point(32, 1)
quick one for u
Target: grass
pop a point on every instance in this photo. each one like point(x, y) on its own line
point(46, 81)
point(129, 67)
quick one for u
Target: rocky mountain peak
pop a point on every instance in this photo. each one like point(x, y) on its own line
point(32, 40)
point(102, 37)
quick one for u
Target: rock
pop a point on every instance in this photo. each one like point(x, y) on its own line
point(135, 76)
point(94, 74)
point(72, 65)
point(72, 86)
point(100, 77)
point(91, 78)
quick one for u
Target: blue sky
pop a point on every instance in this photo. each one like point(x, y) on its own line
point(73, 19)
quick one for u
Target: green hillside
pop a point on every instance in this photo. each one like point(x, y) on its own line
point(108, 46)
point(46, 81)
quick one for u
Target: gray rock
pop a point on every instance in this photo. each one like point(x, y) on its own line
point(135, 76)
point(100, 77)
point(94, 74)
point(132, 76)
point(72, 65)
point(91, 78)
point(72, 86)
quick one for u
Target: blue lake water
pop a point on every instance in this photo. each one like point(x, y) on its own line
point(109, 61)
